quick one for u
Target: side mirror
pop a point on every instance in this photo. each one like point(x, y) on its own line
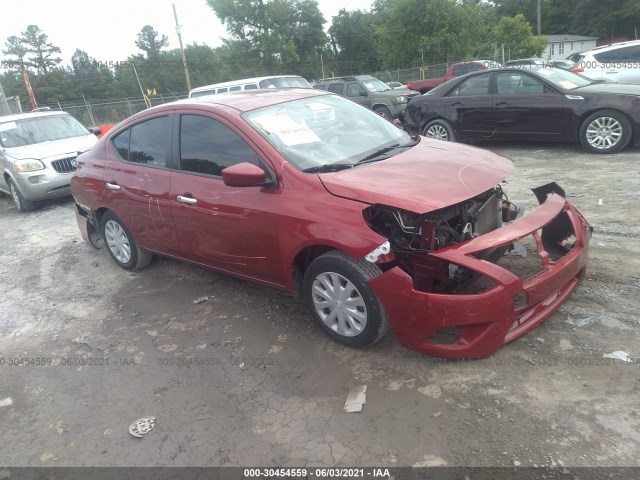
point(364, 93)
point(244, 175)
point(96, 131)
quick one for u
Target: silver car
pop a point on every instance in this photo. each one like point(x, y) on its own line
point(38, 155)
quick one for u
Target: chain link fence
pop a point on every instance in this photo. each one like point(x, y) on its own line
point(108, 113)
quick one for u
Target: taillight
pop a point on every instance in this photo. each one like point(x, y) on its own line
point(577, 70)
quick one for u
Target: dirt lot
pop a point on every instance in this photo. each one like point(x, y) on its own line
point(244, 378)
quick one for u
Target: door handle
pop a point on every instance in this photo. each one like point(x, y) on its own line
point(189, 200)
point(456, 104)
point(113, 186)
point(502, 105)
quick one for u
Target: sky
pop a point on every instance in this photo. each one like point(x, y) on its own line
point(108, 30)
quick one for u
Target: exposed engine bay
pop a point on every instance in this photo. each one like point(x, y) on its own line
point(412, 235)
point(412, 232)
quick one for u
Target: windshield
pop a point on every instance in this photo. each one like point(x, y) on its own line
point(564, 78)
point(287, 82)
point(30, 131)
point(326, 133)
point(374, 85)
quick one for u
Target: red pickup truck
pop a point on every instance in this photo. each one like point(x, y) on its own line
point(454, 70)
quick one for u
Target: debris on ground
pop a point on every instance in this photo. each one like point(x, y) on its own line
point(356, 398)
point(201, 300)
point(6, 402)
point(142, 426)
point(580, 322)
point(618, 355)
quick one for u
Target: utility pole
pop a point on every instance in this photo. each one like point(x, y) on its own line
point(184, 59)
point(539, 23)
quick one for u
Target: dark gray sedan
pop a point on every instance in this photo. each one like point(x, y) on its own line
point(540, 104)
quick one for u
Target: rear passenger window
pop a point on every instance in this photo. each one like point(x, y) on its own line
point(208, 146)
point(478, 85)
point(235, 89)
point(121, 142)
point(336, 88)
point(222, 90)
point(251, 86)
point(145, 142)
point(149, 142)
point(620, 55)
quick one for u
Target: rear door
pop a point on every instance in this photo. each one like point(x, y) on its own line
point(526, 108)
point(621, 65)
point(229, 228)
point(137, 176)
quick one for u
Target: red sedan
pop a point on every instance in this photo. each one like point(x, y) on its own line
point(308, 192)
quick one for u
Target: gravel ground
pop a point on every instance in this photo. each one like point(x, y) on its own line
point(244, 378)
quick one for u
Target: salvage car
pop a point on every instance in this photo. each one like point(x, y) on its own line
point(38, 155)
point(308, 192)
point(537, 104)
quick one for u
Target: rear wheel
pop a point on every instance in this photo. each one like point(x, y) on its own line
point(21, 203)
point(440, 130)
point(605, 131)
point(342, 303)
point(122, 247)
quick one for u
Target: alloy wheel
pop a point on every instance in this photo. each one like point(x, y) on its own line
point(604, 133)
point(438, 132)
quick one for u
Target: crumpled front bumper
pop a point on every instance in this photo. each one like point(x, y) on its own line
point(487, 320)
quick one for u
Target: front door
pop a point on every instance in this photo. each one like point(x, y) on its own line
point(229, 228)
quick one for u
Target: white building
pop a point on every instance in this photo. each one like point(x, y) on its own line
point(561, 46)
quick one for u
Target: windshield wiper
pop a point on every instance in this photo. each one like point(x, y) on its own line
point(375, 156)
point(331, 167)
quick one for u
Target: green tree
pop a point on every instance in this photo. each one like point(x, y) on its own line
point(354, 42)
point(150, 41)
point(36, 43)
point(280, 35)
point(16, 49)
point(415, 32)
point(515, 34)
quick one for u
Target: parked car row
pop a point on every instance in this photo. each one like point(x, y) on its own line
point(536, 104)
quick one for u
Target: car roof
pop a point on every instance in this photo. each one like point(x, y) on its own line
point(246, 100)
point(613, 46)
point(22, 116)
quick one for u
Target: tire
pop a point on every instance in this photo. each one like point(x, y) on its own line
point(384, 112)
point(21, 203)
point(605, 131)
point(359, 320)
point(121, 245)
point(439, 129)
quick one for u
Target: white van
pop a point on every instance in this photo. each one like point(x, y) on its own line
point(274, 81)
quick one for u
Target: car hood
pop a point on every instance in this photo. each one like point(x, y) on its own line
point(432, 175)
point(53, 148)
point(614, 88)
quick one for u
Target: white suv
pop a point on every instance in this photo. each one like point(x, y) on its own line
point(619, 62)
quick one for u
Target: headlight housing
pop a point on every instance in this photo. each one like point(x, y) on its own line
point(28, 165)
point(402, 99)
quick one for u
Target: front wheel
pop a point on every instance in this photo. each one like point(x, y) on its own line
point(605, 131)
point(342, 303)
point(122, 247)
point(21, 203)
point(384, 112)
point(440, 130)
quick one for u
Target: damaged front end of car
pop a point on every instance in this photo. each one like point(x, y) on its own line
point(477, 274)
